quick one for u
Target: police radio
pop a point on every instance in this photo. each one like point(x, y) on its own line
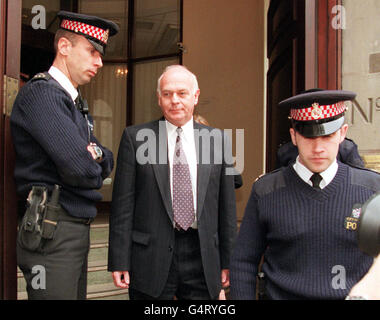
point(82, 106)
point(368, 231)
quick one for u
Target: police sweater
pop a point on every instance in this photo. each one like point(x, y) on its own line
point(50, 138)
point(310, 250)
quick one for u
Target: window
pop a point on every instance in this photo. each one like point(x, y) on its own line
point(360, 24)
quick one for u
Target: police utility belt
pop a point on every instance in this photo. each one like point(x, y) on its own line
point(41, 217)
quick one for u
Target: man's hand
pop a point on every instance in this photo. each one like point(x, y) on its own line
point(368, 286)
point(225, 277)
point(91, 149)
point(222, 295)
point(121, 279)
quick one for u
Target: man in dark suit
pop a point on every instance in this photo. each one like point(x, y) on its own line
point(173, 216)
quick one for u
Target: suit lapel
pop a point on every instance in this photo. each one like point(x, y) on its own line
point(161, 166)
point(203, 170)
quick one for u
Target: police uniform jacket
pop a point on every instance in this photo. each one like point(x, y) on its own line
point(50, 137)
point(307, 236)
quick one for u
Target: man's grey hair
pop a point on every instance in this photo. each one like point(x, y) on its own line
point(195, 81)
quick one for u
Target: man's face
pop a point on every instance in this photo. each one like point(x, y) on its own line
point(178, 97)
point(318, 153)
point(83, 61)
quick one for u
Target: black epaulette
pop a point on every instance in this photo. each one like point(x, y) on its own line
point(270, 182)
point(260, 176)
point(47, 77)
point(42, 76)
point(267, 173)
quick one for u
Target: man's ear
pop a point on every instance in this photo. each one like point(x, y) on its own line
point(158, 98)
point(293, 136)
point(64, 46)
point(343, 132)
point(197, 93)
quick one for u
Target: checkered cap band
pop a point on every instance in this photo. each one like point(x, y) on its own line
point(92, 31)
point(318, 112)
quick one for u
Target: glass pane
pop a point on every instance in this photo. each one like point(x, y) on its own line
point(31, 10)
point(39, 24)
point(145, 106)
point(106, 96)
point(360, 26)
point(116, 11)
point(107, 93)
point(156, 27)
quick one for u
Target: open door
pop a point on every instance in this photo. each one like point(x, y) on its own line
point(286, 72)
point(10, 40)
point(304, 52)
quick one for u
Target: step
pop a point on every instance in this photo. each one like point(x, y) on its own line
point(107, 290)
point(98, 232)
point(99, 265)
point(96, 273)
point(99, 281)
point(95, 291)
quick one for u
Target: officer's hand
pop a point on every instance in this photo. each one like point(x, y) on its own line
point(95, 152)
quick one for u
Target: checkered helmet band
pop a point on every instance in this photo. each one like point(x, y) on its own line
point(318, 112)
point(92, 31)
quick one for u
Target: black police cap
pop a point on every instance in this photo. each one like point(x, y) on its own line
point(95, 29)
point(317, 112)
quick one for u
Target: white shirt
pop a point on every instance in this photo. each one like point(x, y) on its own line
point(188, 144)
point(63, 81)
point(305, 174)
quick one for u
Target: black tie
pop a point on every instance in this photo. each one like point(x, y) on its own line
point(316, 180)
point(78, 102)
point(81, 104)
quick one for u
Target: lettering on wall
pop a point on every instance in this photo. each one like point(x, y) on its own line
point(363, 112)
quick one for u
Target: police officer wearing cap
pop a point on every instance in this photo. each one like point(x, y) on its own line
point(302, 218)
point(59, 163)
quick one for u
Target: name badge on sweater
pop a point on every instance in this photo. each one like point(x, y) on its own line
point(351, 223)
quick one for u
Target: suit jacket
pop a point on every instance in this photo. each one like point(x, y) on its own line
point(142, 221)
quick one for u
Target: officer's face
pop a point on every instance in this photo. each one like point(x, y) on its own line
point(318, 153)
point(177, 98)
point(83, 61)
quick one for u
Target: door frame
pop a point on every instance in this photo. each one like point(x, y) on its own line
point(317, 65)
point(10, 46)
point(329, 40)
point(323, 49)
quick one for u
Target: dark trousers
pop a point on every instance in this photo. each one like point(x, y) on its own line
point(186, 279)
point(57, 270)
